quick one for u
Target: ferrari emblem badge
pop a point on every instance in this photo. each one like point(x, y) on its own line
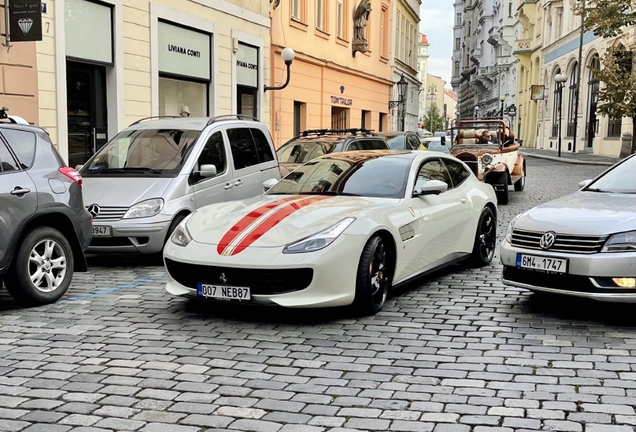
point(412, 211)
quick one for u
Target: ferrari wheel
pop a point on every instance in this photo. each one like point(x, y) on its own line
point(485, 239)
point(373, 278)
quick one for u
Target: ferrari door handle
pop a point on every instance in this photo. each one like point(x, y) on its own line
point(20, 191)
point(228, 186)
point(238, 183)
point(463, 200)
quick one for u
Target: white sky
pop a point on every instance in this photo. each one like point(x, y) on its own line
point(437, 24)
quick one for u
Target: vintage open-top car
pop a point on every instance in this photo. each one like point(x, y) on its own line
point(490, 149)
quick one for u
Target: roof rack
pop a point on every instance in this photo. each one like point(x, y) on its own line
point(352, 131)
point(154, 118)
point(231, 117)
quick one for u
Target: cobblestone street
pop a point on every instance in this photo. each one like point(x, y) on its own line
point(454, 352)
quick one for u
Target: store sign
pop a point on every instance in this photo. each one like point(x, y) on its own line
point(89, 31)
point(337, 100)
point(183, 52)
point(247, 65)
point(25, 20)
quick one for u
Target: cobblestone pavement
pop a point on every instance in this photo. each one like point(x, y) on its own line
point(456, 352)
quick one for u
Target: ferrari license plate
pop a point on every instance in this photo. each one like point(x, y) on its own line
point(101, 231)
point(545, 264)
point(223, 292)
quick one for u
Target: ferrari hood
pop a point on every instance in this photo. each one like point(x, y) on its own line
point(274, 220)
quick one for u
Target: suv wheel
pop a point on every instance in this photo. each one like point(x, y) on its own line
point(43, 267)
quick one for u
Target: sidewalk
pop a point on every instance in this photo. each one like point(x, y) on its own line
point(571, 158)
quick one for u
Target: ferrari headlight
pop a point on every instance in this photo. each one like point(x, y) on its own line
point(181, 236)
point(623, 242)
point(487, 159)
point(319, 240)
point(148, 208)
point(511, 227)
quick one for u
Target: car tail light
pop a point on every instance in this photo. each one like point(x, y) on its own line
point(72, 174)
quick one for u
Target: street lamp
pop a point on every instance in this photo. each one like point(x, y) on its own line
point(402, 86)
point(502, 99)
point(560, 80)
point(288, 55)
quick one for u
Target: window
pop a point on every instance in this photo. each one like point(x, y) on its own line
point(7, 163)
point(396, 53)
point(384, 37)
point(402, 40)
point(214, 153)
point(458, 44)
point(299, 117)
point(458, 19)
point(555, 107)
point(469, 28)
point(243, 149)
point(263, 149)
point(340, 19)
point(574, 88)
point(457, 172)
point(339, 118)
point(320, 15)
point(510, 9)
point(295, 9)
point(175, 94)
point(456, 70)
point(382, 122)
point(23, 145)
point(434, 170)
point(365, 121)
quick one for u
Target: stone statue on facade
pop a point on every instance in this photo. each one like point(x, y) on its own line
point(360, 18)
point(276, 3)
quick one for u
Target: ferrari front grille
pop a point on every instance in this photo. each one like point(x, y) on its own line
point(260, 281)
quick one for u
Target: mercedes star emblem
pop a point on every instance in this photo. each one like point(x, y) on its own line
point(223, 278)
point(93, 209)
point(547, 240)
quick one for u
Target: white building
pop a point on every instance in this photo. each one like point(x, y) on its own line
point(404, 62)
point(458, 44)
point(422, 72)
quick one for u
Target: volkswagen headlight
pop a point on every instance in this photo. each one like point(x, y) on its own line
point(623, 242)
point(487, 159)
point(148, 208)
point(181, 236)
point(319, 240)
point(511, 227)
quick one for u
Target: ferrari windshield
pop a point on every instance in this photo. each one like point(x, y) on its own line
point(383, 177)
point(299, 152)
point(159, 152)
point(620, 179)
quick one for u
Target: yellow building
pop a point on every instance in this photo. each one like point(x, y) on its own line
point(528, 49)
point(102, 65)
point(341, 75)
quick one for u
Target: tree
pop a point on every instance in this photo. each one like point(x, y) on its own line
point(433, 120)
point(617, 95)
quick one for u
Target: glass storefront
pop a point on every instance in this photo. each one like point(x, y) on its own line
point(176, 94)
point(247, 80)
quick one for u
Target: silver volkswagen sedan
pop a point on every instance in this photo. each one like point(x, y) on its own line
point(583, 244)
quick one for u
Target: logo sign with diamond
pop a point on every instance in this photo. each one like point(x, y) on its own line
point(25, 20)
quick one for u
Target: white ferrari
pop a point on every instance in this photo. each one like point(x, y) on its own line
point(342, 229)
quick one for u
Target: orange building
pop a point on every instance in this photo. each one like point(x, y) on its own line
point(341, 75)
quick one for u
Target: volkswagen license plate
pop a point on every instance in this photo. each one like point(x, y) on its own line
point(101, 231)
point(545, 264)
point(223, 292)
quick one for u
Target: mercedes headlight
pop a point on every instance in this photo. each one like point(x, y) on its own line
point(319, 240)
point(487, 159)
point(148, 208)
point(511, 227)
point(181, 236)
point(623, 242)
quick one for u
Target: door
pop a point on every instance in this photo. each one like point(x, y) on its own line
point(466, 216)
point(245, 163)
point(439, 216)
point(18, 199)
point(246, 100)
point(87, 113)
point(216, 189)
point(267, 162)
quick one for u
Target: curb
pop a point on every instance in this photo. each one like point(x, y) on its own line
point(569, 161)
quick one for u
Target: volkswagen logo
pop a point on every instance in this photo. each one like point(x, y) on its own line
point(93, 209)
point(223, 278)
point(547, 240)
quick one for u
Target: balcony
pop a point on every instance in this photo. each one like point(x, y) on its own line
point(523, 46)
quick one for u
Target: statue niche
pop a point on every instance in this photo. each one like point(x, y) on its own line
point(360, 18)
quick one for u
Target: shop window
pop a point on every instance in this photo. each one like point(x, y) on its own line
point(339, 118)
point(365, 120)
point(300, 112)
point(614, 127)
point(247, 80)
point(382, 122)
point(179, 97)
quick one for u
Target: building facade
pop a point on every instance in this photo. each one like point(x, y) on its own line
point(582, 128)
point(502, 38)
point(341, 76)
point(103, 65)
point(422, 72)
point(459, 43)
point(450, 107)
point(406, 16)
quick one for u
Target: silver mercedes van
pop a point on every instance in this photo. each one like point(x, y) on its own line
point(151, 175)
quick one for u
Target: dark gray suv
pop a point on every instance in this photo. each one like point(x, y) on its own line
point(44, 228)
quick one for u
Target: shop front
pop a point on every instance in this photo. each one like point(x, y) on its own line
point(184, 70)
point(247, 79)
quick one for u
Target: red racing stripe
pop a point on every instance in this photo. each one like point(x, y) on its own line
point(274, 220)
point(247, 220)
